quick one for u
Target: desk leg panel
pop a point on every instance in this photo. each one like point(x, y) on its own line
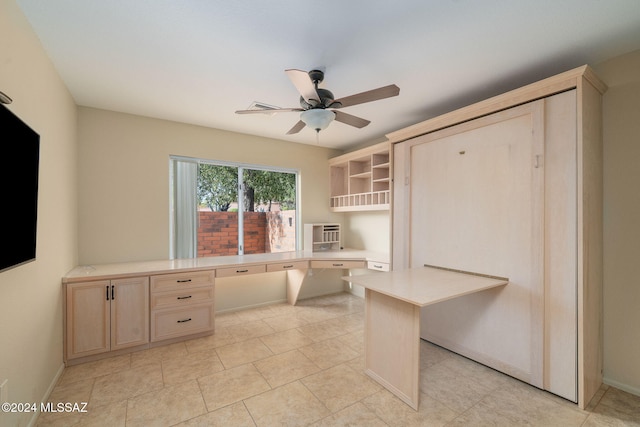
point(392, 345)
point(294, 284)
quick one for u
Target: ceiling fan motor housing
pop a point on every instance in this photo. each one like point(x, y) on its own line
point(316, 76)
point(325, 95)
point(326, 99)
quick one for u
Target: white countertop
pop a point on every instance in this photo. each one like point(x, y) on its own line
point(425, 285)
point(128, 269)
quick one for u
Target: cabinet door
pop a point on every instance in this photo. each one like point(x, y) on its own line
point(474, 203)
point(129, 312)
point(87, 319)
point(561, 235)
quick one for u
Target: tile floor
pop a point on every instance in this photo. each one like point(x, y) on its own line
point(282, 365)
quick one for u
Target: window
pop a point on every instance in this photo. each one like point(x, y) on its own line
point(221, 208)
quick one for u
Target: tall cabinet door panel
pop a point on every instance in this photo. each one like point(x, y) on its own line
point(87, 318)
point(475, 204)
point(129, 312)
point(561, 176)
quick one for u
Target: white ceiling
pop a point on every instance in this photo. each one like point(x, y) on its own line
point(197, 61)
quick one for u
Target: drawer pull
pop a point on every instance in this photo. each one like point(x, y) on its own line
point(183, 281)
point(187, 297)
point(242, 271)
point(377, 266)
point(184, 320)
point(337, 265)
point(287, 266)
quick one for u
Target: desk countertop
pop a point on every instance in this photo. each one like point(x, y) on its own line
point(128, 269)
point(422, 286)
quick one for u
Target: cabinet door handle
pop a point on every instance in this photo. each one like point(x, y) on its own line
point(113, 292)
point(337, 265)
point(184, 320)
point(187, 297)
point(107, 292)
point(287, 266)
point(242, 271)
point(184, 281)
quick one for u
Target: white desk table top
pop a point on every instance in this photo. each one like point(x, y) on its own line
point(126, 269)
point(422, 286)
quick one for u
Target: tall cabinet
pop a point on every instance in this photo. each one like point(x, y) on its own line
point(512, 187)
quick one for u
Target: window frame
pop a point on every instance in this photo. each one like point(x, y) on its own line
point(241, 166)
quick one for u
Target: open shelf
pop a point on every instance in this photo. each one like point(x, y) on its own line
point(321, 237)
point(361, 180)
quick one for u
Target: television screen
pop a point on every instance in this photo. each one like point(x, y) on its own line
point(19, 178)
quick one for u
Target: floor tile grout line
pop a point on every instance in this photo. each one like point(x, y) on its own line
point(333, 320)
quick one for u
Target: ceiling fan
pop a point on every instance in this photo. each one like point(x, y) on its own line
point(318, 108)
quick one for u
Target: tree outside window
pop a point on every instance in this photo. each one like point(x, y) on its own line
point(218, 188)
point(258, 216)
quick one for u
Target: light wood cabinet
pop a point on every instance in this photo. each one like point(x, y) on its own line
point(361, 180)
point(106, 315)
point(182, 304)
point(241, 270)
point(512, 186)
point(287, 266)
point(378, 266)
point(170, 299)
point(343, 264)
point(178, 322)
point(113, 309)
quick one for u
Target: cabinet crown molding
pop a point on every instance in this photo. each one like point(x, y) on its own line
point(572, 79)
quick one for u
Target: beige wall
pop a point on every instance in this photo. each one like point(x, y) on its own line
point(622, 221)
point(31, 295)
point(368, 230)
point(124, 179)
point(124, 192)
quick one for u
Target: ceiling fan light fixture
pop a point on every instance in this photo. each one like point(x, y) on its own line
point(317, 118)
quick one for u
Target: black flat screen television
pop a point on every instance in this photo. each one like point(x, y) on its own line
point(19, 194)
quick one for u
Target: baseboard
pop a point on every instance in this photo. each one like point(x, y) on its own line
point(248, 306)
point(47, 393)
point(321, 293)
point(621, 386)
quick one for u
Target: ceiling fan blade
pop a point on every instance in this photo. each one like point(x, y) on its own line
point(268, 110)
point(303, 84)
point(368, 96)
point(296, 128)
point(350, 119)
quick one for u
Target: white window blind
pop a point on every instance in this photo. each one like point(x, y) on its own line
point(185, 208)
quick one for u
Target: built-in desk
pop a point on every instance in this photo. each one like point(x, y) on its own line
point(125, 307)
point(296, 263)
point(392, 320)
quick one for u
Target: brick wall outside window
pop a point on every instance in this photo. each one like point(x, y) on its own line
point(264, 232)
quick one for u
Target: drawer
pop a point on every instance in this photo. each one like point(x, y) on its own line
point(240, 270)
point(174, 323)
point(176, 281)
point(295, 265)
point(181, 298)
point(378, 266)
point(339, 264)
